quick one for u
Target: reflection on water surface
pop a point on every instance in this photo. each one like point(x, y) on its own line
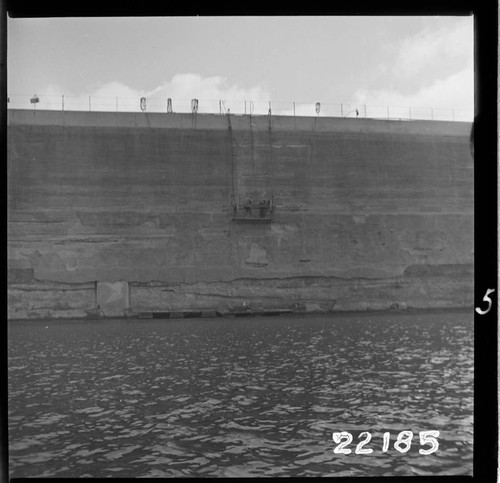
point(239, 397)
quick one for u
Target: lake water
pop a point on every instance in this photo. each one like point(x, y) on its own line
point(240, 396)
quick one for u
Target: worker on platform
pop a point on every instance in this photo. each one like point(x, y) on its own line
point(248, 206)
point(262, 208)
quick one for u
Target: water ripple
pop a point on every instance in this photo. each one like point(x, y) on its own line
point(236, 398)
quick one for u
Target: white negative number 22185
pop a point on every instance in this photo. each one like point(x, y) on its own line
point(402, 444)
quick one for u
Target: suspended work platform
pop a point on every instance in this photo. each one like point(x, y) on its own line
point(248, 212)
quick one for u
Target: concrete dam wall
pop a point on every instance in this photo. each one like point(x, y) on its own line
point(121, 213)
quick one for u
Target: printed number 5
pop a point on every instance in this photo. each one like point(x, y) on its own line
point(488, 300)
point(428, 437)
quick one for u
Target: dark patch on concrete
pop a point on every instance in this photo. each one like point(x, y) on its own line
point(453, 271)
point(20, 275)
point(430, 240)
point(114, 218)
point(40, 217)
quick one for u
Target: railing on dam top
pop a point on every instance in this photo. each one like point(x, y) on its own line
point(282, 108)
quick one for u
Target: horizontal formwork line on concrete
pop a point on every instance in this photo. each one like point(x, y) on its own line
point(336, 312)
point(187, 314)
point(314, 211)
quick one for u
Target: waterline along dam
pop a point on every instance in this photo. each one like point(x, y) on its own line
point(123, 214)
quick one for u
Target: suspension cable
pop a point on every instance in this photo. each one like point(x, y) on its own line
point(313, 136)
point(271, 157)
point(253, 159)
point(230, 129)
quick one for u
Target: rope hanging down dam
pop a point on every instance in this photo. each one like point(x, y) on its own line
point(251, 202)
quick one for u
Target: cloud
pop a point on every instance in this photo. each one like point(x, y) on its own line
point(181, 88)
point(303, 109)
point(433, 48)
point(187, 86)
point(431, 69)
point(453, 92)
point(116, 89)
point(208, 90)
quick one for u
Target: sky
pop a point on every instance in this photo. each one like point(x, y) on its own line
point(406, 63)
